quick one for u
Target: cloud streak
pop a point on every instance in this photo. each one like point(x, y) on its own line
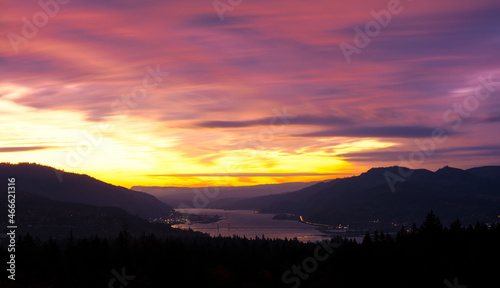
point(22, 149)
point(385, 155)
point(297, 120)
point(377, 132)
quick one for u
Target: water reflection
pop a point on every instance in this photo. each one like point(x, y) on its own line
point(249, 224)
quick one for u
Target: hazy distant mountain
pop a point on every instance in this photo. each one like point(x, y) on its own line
point(361, 200)
point(78, 188)
point(223, 195)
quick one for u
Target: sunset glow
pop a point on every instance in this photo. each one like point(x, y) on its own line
point(168, 93)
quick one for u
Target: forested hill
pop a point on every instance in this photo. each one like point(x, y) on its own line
point(363, 200)
point(78, 188)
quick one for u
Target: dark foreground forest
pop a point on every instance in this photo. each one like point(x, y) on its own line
point(427, 256)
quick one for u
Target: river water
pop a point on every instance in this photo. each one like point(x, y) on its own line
point(249, 224)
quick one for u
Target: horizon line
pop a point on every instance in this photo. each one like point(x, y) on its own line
point(247, 174)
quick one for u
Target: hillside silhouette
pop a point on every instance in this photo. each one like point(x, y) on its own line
point(367, 200)
point(45, 218)
point(78, 188)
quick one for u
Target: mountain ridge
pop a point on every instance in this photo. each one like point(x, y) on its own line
point(81, 188)
point(367, 198)
point(46, 218)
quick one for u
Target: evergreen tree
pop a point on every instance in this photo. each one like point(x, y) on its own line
point(432, 225)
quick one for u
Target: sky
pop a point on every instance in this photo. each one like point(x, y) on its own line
point(240, 92)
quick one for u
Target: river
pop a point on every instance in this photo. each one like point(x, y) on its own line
point(249, 224)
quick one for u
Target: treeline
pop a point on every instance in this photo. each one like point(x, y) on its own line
point(427, 256)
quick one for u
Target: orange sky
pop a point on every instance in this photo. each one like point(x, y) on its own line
point(177, 93)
